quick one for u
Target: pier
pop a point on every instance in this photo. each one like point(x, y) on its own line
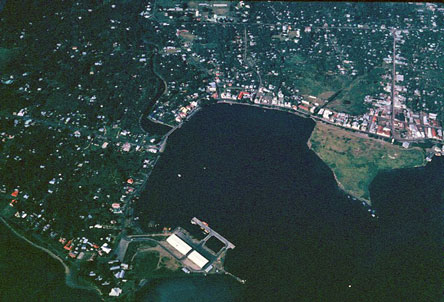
point(192, 254)
point(212, 233)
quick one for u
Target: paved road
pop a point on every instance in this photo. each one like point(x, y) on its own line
point(392, 118)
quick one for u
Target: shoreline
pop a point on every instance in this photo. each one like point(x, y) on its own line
point(340, 186)
point(67, 270)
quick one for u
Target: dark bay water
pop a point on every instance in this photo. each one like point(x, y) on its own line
point(250, 175)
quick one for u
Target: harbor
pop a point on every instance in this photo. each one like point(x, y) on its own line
point(190, 254)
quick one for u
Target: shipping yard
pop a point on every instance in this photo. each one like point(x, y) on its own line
point(178, 249)
point(106, 89)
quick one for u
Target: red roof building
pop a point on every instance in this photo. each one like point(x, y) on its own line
point(68, 246)
point(434, 133)
point(303, 107)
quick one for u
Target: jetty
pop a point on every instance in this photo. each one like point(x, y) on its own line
point(192, 254)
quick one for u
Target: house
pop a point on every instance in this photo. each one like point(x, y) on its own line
point(105, 248)
point(120, 275)
point(383, 131)
point(68, 246)
point(15, 193)
point(302, 107)
point(115, 292)
point(126, 147)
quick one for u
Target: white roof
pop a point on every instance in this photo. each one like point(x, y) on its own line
point(179, 244)
point(115, 292)
point(198, 259)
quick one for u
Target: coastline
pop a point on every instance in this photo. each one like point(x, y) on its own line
point(71, 283)
point(67, 270)
point(367, 201)
point(341, 187)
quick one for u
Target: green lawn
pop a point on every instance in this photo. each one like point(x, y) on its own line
point(145, 263)
point(310, 78)
point(351, 99)
point(356, 160)
point(153, 263)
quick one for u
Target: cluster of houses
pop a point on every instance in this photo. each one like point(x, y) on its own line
point(82, 247)
point(185, 111)
point(237, 81)
point(118, 271)
point(377, 121)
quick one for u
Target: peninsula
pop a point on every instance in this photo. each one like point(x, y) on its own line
point(356, 159)
point(90, 93)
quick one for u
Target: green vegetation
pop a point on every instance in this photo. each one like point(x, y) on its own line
point(148, 259)
point(351, 98)
point(29, 274)
point(356, 159)
point(311, 79)
point(145, 263)
point(6, 56)
point(153, 262)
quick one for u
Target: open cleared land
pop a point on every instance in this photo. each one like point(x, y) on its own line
point(351, 98)
point(153, 261)
point(356, 159)
point(309, 79)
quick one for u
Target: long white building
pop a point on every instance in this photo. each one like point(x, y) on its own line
point(198, 259)
point(179, 244)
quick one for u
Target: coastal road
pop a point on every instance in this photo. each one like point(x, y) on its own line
point(392, 118)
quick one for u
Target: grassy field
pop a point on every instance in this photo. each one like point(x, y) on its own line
point(356, 159)
point(153, 261)
point(309, 78)
point(351, 99)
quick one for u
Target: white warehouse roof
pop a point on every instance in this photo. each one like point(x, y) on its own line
point(179, 244)
point(198, 259)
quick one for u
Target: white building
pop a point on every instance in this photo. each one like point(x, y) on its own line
point(198, 259)
point(115, 292)
point(179, 244)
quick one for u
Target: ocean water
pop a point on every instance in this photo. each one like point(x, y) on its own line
point(250, 175)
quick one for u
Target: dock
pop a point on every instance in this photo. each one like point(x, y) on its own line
point(192, 254)
point(212, 233)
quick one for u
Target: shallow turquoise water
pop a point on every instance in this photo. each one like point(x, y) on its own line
point(192, 289)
